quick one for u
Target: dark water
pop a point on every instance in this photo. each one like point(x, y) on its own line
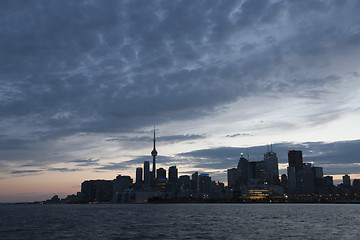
point(181, 221)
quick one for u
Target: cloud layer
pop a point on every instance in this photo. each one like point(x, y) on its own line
point(70, 67)
point(78, 75)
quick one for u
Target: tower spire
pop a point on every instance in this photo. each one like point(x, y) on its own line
point(154, 154)
point(154, 139)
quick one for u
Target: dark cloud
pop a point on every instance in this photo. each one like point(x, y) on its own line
point(62, 170)
point(168, 139)
point(22, 172)
point(86, 162)
point(162, 161)
point(113, 166)
point(26, 171)
point(8, 143)
point(335, 158)
point(88, 66)
point(180, 138)
point(70, 67)
point(238, 135)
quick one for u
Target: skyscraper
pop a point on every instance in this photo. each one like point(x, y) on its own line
point(173, 174)
point(233, 177)
point(146, 173)
point(154, 154)
point(271, 167)
point(295, 159)
point(195, 182)
point(161, 173)
point(318, 172)
point(305, 180)
point(205, 183)
point(346, 180)
point(243, 168)
point(139, 175)
point(291, 172)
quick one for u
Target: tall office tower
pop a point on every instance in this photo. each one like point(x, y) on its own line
point(173, 174)
point(295, 159)
point(161, 173)
point(139, 175)
point(318, 172)
point(147, 173)
point(120, 185)
point(327, 185)
point(185, 183)
point(233, 177)
point(243, 167)
point(256, 172)
point(346, 180)
point(271, 167)
point(88, 191)
point(195, 182)
point(205, 183)
point(284, 180)
point(356, 185)
point(291, 179)
point(305, 180)
point(154, 154)
point(318, 175)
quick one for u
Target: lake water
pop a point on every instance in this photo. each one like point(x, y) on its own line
point(181, 221)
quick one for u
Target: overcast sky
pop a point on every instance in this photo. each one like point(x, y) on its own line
point(82, 83)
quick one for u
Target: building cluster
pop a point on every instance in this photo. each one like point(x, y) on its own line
point(303, 181)
point(155, 185)
point(250, 181)
point(255, 180)
point(165, 187)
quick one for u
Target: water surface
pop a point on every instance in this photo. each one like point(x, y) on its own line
point(180, 221)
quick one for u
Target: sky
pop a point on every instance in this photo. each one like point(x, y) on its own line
point(82, 84)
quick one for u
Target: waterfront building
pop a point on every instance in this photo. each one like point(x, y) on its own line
point(205, 183)
point(291, 179)
point(295, 159)
point(147, 173)
point(139, 175)
point(88, 191)
point(356, 185)
point(195, 182)
point(284, 180)
point(97, 190)
point(160, 183)
point(233, 177)
point(318, 172)
point(173, 174)
point(327, 185)
point(271, 168)
point(305, 180)
point(346, 180)
point(256, 173)
point(120, 185)
point(184, 185)
point(161, 173)
point(318, 175)
point(243, 168)
point(257, 193)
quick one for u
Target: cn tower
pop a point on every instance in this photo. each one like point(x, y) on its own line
point(154, 154)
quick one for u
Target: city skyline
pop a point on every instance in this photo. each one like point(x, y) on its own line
point(83, 83)
point(249, 181)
